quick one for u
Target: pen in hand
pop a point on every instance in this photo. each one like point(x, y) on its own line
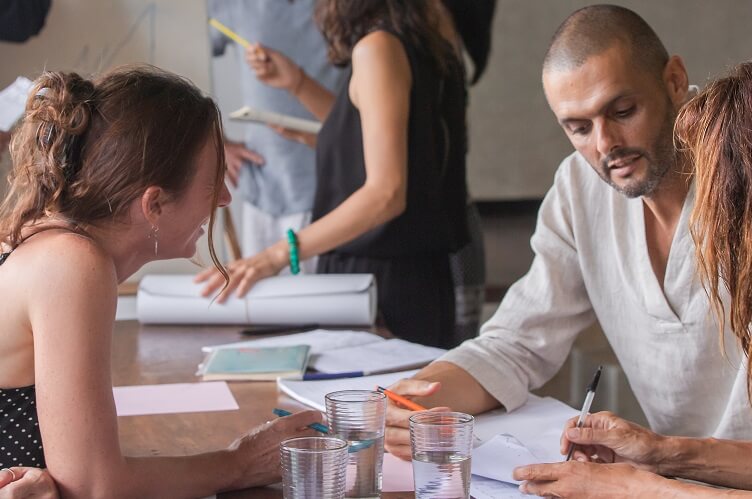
point(314, 426)
point(406, 403)
point(413, 406)
point(589, 395)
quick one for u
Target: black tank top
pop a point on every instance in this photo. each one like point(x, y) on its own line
point(434, 220)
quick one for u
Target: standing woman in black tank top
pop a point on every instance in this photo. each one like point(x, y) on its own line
point(391, 191)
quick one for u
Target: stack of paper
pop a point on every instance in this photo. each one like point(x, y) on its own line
point(344, 351)
point(525, 436)
point(312, 393)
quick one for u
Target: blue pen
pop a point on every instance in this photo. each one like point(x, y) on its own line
point(315, 426)
point(323, 429)
point(322, 376)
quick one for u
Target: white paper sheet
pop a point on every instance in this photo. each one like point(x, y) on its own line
point(173, 398)
point(485, 488)
point(537, 425)
point(390, 355)
point(271, 118)
point(498, 457)
point(332, 299)
point(320, 341)
point(312, 393)
point(13, 102)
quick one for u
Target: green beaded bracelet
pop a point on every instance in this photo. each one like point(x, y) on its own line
point(292, 240)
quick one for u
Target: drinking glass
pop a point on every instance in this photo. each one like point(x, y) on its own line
point(313, 467)
point(358, 417)
point(441, 444)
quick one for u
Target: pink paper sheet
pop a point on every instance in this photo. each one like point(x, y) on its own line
point(173, 398)
point(398, 475)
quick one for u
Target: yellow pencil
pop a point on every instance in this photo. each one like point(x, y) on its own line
point(229, 33)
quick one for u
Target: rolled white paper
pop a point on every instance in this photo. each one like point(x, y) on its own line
point(326, 299)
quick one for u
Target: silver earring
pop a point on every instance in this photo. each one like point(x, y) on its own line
point(153, 235)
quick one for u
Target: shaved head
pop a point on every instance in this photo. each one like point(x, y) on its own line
point(593, 29)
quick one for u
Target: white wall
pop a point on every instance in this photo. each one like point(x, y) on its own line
point(90, 36)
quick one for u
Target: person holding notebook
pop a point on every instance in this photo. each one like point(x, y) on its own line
point(391, 194)
point(107, 175)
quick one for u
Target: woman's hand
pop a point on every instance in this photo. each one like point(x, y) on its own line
point(244, 273)
point(274, 68)
point(589, 481)
point(606, 438)
point(306, 138)
point(258, 451)
point(22, 483)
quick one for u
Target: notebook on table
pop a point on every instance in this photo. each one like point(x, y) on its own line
point(255, 363)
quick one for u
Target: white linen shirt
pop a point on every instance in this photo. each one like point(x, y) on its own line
point(591, 262)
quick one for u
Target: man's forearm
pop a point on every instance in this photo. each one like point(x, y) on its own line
point(720, 462)
point(459, 390)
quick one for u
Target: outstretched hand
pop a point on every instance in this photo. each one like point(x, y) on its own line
point(244, 273)
point(574, 479)
point(274, 68)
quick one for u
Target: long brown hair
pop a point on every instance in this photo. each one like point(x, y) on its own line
point(344, 22)
point(715, 128)
point(86, 149)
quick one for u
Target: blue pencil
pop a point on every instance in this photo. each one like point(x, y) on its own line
point(323, 429)
point(315, 426)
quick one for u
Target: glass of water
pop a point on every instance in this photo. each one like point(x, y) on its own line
point(313, 467)
point(441, 444)
point(358, 417)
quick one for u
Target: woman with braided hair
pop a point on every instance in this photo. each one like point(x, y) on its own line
point(107, 175)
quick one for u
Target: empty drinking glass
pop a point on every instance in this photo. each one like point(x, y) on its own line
point(358, 416)
point(313, 468)
point(441, 444)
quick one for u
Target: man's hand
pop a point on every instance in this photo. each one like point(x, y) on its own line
point(235, 155)
point(606, 438)
point(397, 436)
point(590, 481)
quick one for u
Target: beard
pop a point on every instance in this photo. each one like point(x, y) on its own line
point(660, 158)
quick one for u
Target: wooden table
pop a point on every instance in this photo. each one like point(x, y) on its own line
point(169, 354)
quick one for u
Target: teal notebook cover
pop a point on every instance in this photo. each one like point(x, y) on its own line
point(261, 363)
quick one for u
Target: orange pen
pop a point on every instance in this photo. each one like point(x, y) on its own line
point(407, 403)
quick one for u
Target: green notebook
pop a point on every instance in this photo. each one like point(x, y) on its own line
point(255, 364)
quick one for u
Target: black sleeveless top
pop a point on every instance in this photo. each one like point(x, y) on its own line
point(20, 439)
point(434, 218)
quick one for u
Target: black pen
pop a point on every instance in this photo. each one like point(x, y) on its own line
point(278, 328)
point(589, 395)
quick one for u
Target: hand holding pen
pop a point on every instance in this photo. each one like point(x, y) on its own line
point(614, 440)
point(589, 396)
